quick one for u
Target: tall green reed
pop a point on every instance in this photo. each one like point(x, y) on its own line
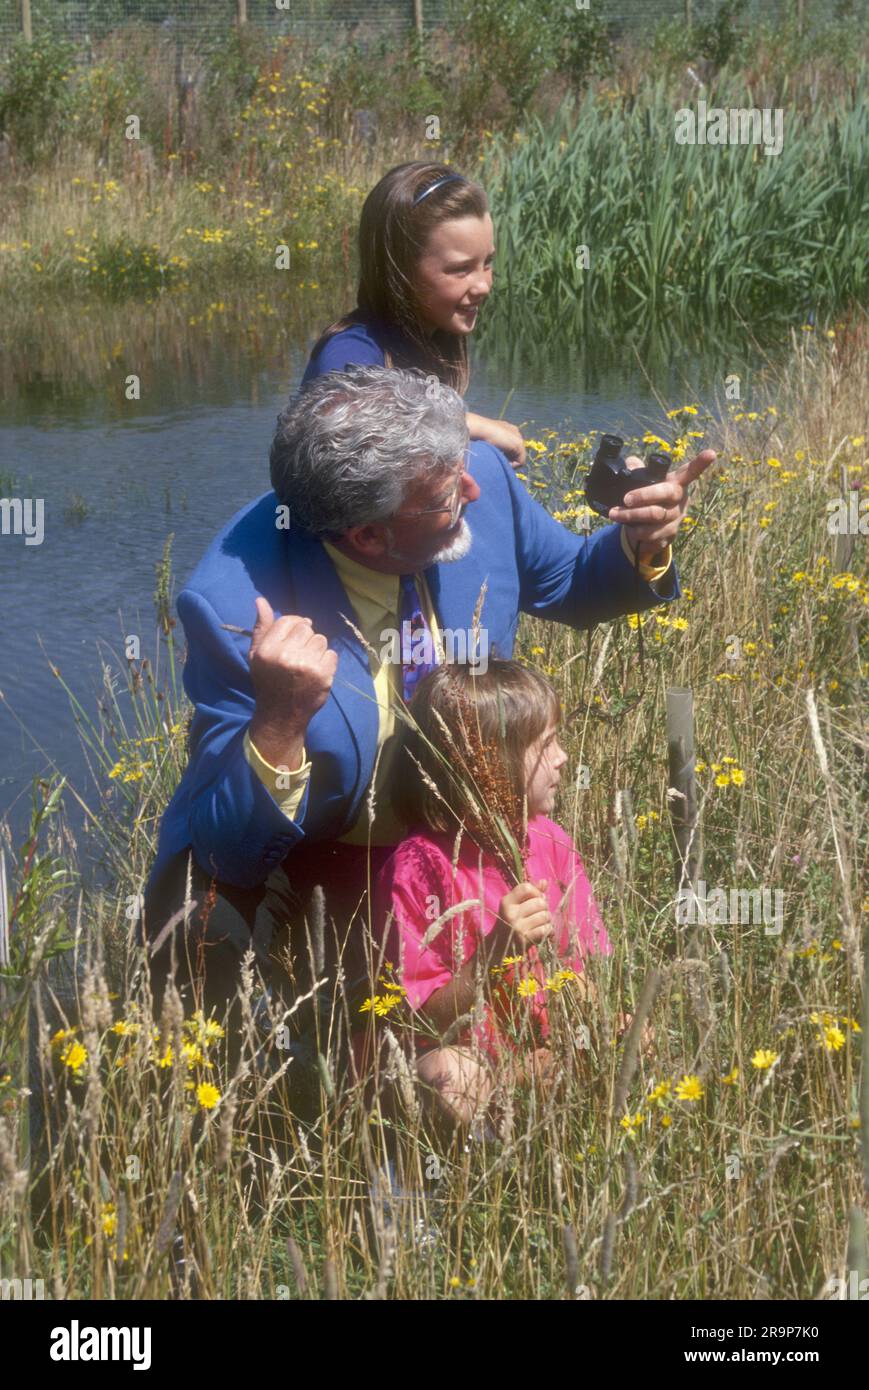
point(670, 224)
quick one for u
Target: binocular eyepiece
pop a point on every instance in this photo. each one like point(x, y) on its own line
point(609, 479)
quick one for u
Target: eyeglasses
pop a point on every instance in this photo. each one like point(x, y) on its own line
point(454, 508)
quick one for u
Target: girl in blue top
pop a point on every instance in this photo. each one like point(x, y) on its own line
point(425, 251)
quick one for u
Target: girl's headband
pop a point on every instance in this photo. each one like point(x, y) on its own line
point(448, 178)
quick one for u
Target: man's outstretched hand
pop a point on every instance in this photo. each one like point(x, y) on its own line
point(652, 515)
point(292, 669)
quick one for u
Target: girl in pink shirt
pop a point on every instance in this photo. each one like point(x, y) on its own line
point(484, 881)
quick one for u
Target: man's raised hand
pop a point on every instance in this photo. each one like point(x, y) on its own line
point(652, 515)
point(292, 669)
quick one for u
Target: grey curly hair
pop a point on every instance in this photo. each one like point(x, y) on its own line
point(350, 446)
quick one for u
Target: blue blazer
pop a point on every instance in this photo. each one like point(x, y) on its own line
point(531, 564)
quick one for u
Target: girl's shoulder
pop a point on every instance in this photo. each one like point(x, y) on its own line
point(420, 842)
point(429, 857)
point(418, 856)
point(360, 343)
point(551, 848)
point(550, 841)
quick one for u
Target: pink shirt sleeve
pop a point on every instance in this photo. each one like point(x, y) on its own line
point(413, 889)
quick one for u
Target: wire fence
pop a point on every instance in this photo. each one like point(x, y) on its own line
point(201, 22)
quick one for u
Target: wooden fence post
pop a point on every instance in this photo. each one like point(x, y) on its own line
point(417, 17)
point(242, 11)
point(26, 21)
point(845, 541)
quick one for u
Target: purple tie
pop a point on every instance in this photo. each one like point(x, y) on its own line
point(418, 655)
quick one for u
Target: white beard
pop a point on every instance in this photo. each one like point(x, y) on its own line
point(456, 550)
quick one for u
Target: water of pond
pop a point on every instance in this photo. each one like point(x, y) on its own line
point(116, 481)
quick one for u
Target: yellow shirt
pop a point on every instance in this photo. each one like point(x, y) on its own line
point(375, 601)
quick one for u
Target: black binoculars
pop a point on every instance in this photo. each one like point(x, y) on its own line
point(609, 479)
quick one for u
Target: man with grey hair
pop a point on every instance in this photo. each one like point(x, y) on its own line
point(292, 741)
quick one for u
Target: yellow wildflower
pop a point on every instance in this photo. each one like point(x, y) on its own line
point(689, 1088)
point(124, 1029)
point(764, 1058)
point(380, 1004)
point(631, 1123)
point(74, 1056)
point(193, 1054)
point(207, 1095)
point(559, 980)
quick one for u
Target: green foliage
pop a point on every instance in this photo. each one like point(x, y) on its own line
point(673, 45)
point(418, 79)
point(720, 38)
point(230, 79)
point(101, 98)
point(782, 46)
point(672, 224)
point(120, 266)
point(585, 48)
point(43, 877)
point(162, 593)
point(394, 80)
point(34, 91)
point(234, 65)
point(512, 44)
point(817, 38)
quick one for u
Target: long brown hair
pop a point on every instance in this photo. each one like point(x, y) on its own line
point(393, 233)
point(462, 762)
